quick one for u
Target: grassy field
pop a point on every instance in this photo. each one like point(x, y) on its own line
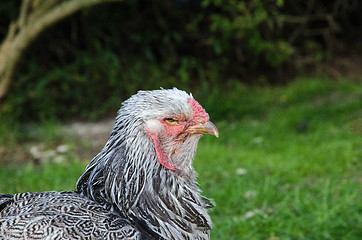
point(287, 165)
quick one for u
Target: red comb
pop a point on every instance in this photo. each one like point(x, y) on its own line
point(199, 112)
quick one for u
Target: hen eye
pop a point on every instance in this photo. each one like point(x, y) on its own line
point(171, 121)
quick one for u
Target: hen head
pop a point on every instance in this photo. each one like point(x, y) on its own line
point(174, 121)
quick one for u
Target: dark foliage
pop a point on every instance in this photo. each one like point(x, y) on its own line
point(85, 65)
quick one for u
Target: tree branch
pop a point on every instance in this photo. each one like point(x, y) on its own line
point(35, 16)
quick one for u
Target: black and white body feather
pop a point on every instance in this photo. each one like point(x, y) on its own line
point(61, 215)
point(140, 186)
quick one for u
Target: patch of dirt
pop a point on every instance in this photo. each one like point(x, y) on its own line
point(92, 136)
point(96, 133)
point(82, 140)
point(348, 66)
point(8, 155)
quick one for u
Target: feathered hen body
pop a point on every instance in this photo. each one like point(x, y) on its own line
point(140, 186)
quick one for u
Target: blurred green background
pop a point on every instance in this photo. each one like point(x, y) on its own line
point(282, 80)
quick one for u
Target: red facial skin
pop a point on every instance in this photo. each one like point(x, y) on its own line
point(175, 129)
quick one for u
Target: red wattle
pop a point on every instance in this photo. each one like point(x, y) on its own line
point(162, 158)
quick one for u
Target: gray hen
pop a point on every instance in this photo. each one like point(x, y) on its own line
point(140, 186)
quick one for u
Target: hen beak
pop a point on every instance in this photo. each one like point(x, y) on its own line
point(203, 128)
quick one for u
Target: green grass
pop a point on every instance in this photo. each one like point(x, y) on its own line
point(287, 165)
